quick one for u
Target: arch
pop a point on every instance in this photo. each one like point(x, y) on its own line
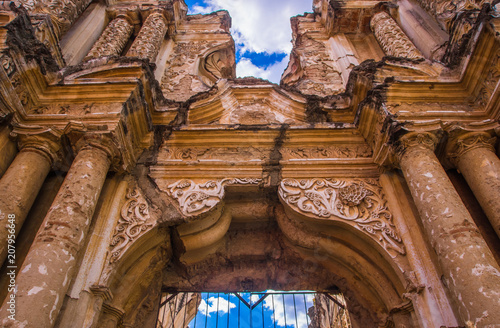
point(248, 242)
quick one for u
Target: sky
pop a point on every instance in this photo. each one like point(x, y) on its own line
point(261, 31)
point(288, 313)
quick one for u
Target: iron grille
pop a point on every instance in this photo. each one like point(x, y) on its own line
point(269, 309)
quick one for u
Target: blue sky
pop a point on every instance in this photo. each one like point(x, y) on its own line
point(228, 307)
point(261, 31)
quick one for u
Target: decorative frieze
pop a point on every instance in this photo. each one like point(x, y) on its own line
point(391, 37)
point(357, 202)
point(148, 42)
point(325, 152)
point(134, 222)
point(112, 40)
point(196, 198)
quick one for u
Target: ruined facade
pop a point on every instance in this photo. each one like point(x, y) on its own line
point(132, 159)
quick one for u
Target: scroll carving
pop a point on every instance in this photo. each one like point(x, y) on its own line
point(196, 198)
point(112, 40)
point(358, 202)
point(134, 221)
point(392, 38)
point(220, 64)
point(361, 151)
point(148, 42)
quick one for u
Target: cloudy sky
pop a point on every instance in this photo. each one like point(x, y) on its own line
point(288, 313)
point(261, 31)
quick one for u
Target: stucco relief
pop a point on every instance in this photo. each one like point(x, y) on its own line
point(355, 201)
point(196, 198)
point(135, 220)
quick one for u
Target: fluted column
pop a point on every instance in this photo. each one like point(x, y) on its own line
point(113, 39)
point(21, 183)
point(474, 156)
point(391, 37)
point(49, 266)
point(148, 42)
point(470, 271)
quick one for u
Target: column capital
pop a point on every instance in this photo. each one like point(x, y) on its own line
point(46, 143)
point(412, 140)
point(461, 143)
point(98, 141)
point(102, 292)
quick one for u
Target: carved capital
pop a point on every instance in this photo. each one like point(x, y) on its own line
point(463, 143)
point(103, 142)
point(194, 198)
point(113, 311)
point(359, 203)
point(392, 38)
point(416, 140)
point(44, 142)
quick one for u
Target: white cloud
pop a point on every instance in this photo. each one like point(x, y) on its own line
point(260, 25)
point(291, 308)
point(272, 73)
point(212, 305)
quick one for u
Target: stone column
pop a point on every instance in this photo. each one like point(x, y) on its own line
point(50, 264)
point(391, 37)
point(113, 39)
point(8, 150)
point(469, 268)
point(148, 42)
point(474, 156)
point(21, 183)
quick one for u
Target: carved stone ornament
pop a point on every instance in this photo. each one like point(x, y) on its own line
point(134, 221)
point(416, 139)
point(358, 202)
point(445, 10)
point(147, 43)
point(392, 38)
point(112, 40)
point(196, 198)
point(470, 141)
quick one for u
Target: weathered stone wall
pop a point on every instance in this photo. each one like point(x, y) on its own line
point(142, 162)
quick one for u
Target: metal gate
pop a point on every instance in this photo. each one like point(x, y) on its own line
point(269, 309)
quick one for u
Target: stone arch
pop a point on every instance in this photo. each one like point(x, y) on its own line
point(273, 250)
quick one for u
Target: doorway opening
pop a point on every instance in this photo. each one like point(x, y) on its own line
point(266, 309)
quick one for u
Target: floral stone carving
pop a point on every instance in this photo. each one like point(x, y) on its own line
point(358, 202)
point(134, 221)
point(196, 198)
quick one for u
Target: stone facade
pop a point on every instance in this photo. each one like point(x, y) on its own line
point(132, 159)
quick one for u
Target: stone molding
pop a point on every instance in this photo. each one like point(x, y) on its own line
point(113, 39)
point(134, 222)
point(468, 141)
point(195, 198)
point(412, 140)
point(391, 37)
point(113, 311)
point(102, 292)
point(446, 10)
point(148, 42)
point(358, 202)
